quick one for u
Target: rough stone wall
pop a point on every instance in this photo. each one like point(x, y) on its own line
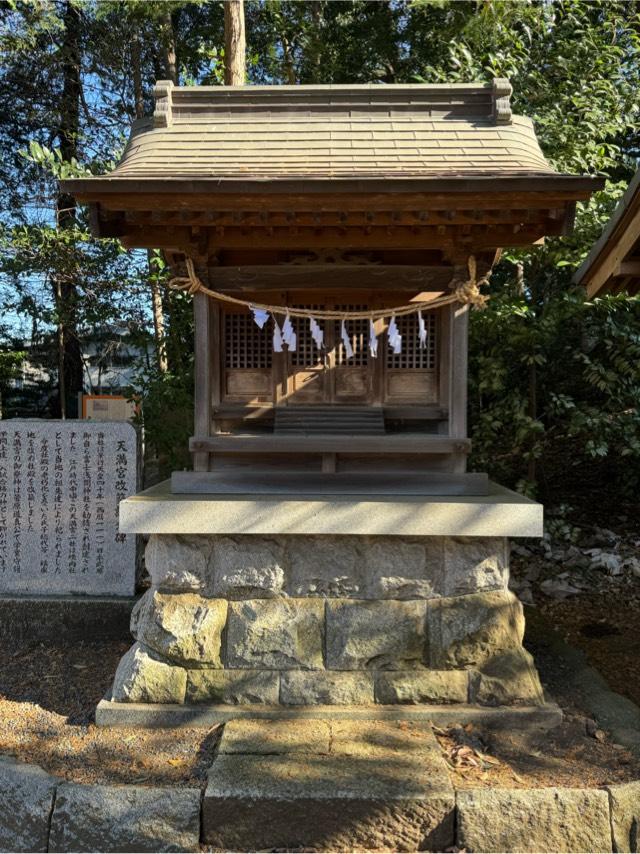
point(301, 620)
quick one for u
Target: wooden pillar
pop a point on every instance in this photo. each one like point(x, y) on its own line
point(203, 377)
point(459, 346)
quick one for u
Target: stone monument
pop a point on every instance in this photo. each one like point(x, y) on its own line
point(61, 483)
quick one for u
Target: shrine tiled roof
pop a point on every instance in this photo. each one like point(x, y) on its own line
point(373, 131)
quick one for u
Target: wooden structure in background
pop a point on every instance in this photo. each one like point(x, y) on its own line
point(346, 197)
point(613, 264)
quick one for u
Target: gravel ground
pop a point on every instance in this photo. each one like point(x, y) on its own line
point(606, 631)
point(48, 697)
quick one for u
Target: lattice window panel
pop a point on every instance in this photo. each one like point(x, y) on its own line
point(358, 333)
point(306, 354)
point(412, 357)
point(246, 345)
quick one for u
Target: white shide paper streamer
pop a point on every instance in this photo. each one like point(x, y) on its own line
point(373, 340)
point(394, 337)
point(348, 349)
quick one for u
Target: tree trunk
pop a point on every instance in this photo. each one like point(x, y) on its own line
point(65, 294)
point(169, 43)
point(158, 317)
point(287, 61)
point(156, 299)
point(136, 70)
point(234, 43)
point(316, 41)
point(532, 473)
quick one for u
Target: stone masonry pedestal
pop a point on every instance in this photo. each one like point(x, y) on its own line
point(299, 620)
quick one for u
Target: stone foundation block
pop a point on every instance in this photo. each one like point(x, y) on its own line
point(325, 687)
point(468, 631)
point(276, 737)
point(275, 634)
point(247, 567)
point(182, 627)
point(26, 800)
point(125, 818)
point(388, 741)
point(384, 635)
point(237, 687)
point(141, 678)
point(324, 566)
point(506, 679)
point(624, 802)
point(424, 686)
point(475, 564)
point(332, 803)
point(403, 569)
point(545, 820)
point(178, 564)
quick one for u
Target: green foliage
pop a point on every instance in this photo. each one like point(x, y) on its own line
point(166, 413)
point(555, 392)
point(554, 379)
point(10, 364)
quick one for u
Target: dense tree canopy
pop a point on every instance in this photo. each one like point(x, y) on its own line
point(555, 381)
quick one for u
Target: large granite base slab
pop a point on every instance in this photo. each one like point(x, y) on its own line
point(378, 786)
point(501, 513)
point(163, 715)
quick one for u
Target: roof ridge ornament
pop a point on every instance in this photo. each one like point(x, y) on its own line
point(163, 113)
point(501, 92)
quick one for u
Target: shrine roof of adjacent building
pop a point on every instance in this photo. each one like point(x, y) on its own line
point(613, 264)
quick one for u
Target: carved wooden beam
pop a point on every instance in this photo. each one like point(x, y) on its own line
point(386, 277)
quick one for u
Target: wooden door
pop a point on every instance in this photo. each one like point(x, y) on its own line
point(412, 375)
point(351, 378)
point(247, 359)
point(327, 376)
point(307, 375)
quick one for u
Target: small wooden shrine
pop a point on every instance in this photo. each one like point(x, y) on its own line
point(329, 547)
point(334, 238)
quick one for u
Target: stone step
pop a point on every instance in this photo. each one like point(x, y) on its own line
point(163, 715)
point(328, 785)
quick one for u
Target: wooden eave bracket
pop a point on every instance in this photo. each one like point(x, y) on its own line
point(569, 220)
point(501, 92)
point(106, 224)
point(163, 113)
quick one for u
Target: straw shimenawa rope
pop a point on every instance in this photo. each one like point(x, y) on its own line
point(467, 293)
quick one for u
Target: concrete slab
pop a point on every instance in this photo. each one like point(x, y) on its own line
point(379, 739)
point(500, 513)
point(156, 716)
point(265, 737)
point(65, 619)
point(383, 796)
point(535, 820)
point(125, 818)
point(27, 794)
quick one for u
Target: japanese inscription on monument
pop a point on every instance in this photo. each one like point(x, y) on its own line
point(60, 486)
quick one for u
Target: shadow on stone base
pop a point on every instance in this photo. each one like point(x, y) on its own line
point(156, 716)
